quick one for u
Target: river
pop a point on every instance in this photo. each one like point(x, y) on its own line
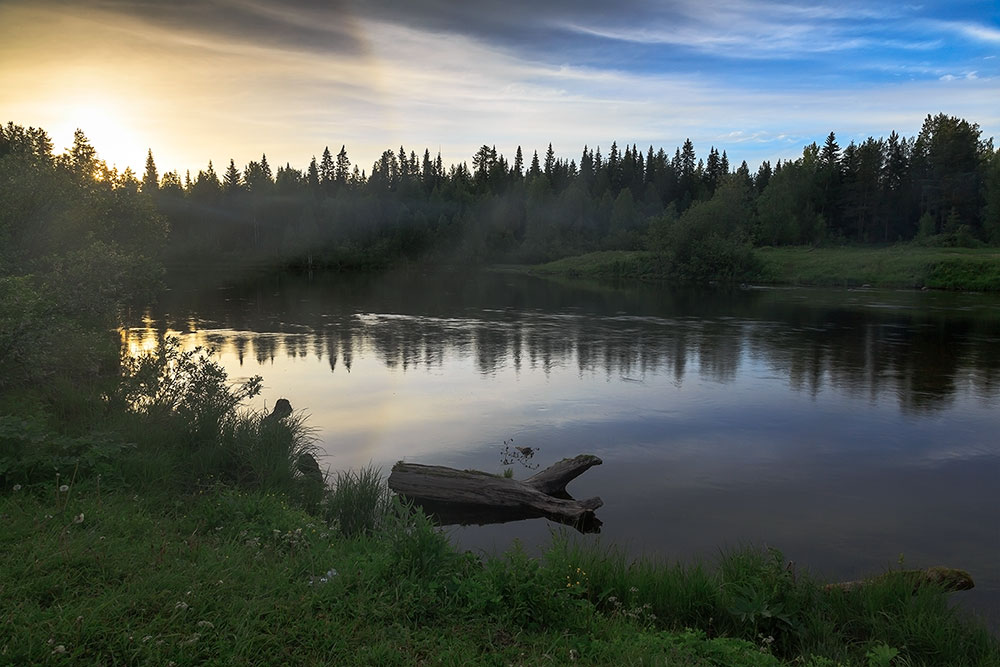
point(848, 428)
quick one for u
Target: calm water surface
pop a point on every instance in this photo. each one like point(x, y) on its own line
point(844, 427)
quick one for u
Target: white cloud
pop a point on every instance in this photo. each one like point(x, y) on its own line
point(197, 97)
point(976, 31)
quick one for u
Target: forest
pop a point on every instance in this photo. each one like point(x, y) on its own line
point(703, 215)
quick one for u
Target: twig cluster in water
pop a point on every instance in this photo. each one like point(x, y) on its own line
point(520, 455)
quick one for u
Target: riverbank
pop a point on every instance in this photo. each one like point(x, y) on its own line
point(901, 266)
point(245, 578)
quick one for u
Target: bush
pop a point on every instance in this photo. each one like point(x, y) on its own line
point(710, 242)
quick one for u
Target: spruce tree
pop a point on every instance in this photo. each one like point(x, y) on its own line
point(150, 179)
point(231, 181)
point(342, 170)
point(327, 170)
point(535, 169)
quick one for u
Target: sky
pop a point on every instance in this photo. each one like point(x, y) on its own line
point(200, 80)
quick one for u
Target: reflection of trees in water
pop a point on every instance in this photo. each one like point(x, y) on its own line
point(922, 361)
point(921, 355)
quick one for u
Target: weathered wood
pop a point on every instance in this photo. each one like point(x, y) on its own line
point(553, 480)
point(471, 496)
point(947, 578)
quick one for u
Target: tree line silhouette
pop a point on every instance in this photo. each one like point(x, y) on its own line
point(703, 215)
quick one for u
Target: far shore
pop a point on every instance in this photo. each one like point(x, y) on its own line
point(897, 266)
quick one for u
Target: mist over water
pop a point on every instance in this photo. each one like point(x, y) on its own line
point(843, 427)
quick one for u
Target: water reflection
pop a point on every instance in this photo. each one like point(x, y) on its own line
point(845, 427)
point(918, 348)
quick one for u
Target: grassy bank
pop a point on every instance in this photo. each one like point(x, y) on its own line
point(904, 266)
point(235, 577)
point(607, 264)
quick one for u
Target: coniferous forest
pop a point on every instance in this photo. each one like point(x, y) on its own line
point(703, 213)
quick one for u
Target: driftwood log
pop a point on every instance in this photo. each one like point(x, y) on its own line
point(471, 496)
point(947, 578)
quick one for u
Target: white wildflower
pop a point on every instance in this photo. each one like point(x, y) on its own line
point(17, 487)
point(205, 624)
point(181, 605)
point(64, 488)
point(78, 518)
point(59, 649)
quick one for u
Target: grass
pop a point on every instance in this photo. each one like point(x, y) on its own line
point(607, 264)
point(229, 576)
point(906, 266)
point(901, 266)
point(242, 578)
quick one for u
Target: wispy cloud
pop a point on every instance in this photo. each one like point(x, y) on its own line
point(976, 31)
point(220, 78)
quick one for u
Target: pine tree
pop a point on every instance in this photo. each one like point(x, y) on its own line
point(207, 186)
point(82, 156)
point(550, 160)
point(763, 176)
point(265, 171)
point(312, 176)
point(231, 181)
point(170, 184)
point(150, 179)
point(518, 163)
point(535, 169)
point(482, 163)
point(829, 157)
point(427, 170)
point(687, 158)
point(342, 170)
point(326, 169)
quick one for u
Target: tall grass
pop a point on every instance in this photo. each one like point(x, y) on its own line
point(755, 595)
point(358, 503)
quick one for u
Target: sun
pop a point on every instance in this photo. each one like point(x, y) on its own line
point(108, 127)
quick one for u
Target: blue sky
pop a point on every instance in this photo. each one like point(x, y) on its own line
point(219, 79)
